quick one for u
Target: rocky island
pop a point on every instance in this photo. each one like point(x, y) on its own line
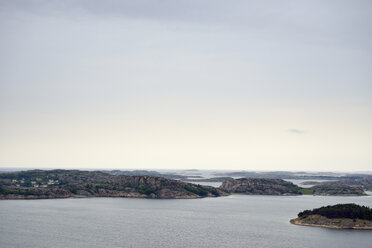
point(262, 186)
point(48, 184)
point(340, 216)
point(337, 189)
point(356, 186)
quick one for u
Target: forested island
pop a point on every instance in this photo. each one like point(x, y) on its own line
point(340, 216)
point(47, 184)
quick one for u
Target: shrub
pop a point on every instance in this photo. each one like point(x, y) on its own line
point(145, 189)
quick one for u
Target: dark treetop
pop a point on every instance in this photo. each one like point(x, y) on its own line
point(350, 211)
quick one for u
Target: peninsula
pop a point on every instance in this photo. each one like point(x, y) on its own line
point(340, 216)
point(48, 184)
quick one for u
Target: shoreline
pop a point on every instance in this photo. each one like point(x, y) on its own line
point(300, 222)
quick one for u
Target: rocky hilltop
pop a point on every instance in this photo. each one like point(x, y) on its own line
point(261, 186)
point(340, 216)
point(46, 184)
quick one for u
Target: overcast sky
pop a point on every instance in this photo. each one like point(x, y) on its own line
point(247, 85)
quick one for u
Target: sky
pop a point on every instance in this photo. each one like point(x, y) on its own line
point(187, 84)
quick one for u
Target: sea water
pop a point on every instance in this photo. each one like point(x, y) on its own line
point(232, 221)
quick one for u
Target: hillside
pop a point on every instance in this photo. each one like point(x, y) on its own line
point(261, 186)
point(339, 189)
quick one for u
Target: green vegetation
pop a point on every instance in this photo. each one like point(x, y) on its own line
point(301, 191)
point(127, 185)
point(16, 192)
point(73, 190)
point(196, 189)
point(215, 192)
point(351, 211)
point(145, 189)
point(306, 191)
point(296, 189)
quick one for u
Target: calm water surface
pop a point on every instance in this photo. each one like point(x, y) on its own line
point(234, 221)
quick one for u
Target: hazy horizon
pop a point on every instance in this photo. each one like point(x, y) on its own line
point(178, 170)
point(245, 85)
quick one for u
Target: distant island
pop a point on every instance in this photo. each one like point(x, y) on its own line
point(337, 189)
point(48, 184)
point(340, 216)
point(262, 186)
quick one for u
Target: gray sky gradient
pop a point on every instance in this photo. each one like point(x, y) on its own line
point(255, 85)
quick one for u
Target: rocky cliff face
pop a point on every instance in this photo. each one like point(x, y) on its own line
point(260, 186)
point(40, 184)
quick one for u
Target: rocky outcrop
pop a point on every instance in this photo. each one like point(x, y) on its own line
point(260, 186)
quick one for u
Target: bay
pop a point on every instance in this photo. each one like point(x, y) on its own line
point(233, 221)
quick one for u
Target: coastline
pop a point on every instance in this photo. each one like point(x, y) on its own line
point(101, 196)
point(333, 223)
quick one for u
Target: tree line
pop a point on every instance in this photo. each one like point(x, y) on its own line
point(351, 211)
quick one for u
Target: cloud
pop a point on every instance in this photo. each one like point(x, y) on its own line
point(296, 131)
